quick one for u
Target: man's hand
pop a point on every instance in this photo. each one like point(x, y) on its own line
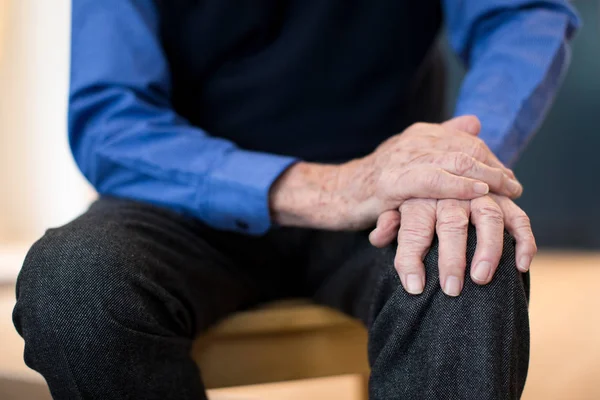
point(425, 161)
point(417, 221)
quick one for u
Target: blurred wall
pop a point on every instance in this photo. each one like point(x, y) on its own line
point(39, 184)
point(3, 11)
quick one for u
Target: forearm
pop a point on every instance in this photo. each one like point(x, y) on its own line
point(507, 132)
point(517, 52)
point(515, 74)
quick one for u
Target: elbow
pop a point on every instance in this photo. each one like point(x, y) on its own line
point(87, 115)
point(81, 144)
point(525, 17)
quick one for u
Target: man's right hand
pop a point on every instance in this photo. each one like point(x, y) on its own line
point(425, 161)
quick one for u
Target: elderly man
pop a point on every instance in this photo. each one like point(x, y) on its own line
point(245, 150)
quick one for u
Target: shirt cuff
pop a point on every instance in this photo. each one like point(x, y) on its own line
point(237, 191)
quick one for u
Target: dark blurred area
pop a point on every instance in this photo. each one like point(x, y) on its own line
point(560, 168)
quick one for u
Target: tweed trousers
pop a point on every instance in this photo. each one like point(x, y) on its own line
point(109, 305)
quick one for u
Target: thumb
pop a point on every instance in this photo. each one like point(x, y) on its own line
point(465, 123)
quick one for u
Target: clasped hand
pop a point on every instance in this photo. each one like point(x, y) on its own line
point(462, 162)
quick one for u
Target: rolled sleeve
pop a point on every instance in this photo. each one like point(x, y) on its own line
point(517, 52)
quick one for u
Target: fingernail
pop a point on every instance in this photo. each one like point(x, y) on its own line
point(414, 284)
point(524, 263)
point(481, 188)
point(452, 286)
point(481, 272)
point(372, 234)
point(513, 186)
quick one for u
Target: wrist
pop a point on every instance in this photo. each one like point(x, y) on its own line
point(308, 195)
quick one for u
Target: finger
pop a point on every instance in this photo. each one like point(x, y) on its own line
point(476, 148)
point(488, 219)
point(465, 123)
point(507, 170)
point(386, 230)
point(427, 182)
point(472, 125)
point(462, 131)
point(452, 229)
point(414, 239)
point(462, 164)
point(517, 223)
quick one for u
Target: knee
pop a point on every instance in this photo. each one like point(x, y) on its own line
point(71, 275)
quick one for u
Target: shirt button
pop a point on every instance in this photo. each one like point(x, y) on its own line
point(241, 224)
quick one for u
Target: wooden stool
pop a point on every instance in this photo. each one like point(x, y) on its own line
point(282, 341)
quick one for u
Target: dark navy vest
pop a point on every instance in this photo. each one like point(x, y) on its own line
point(324, 80)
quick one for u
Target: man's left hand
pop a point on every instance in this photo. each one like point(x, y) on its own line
point(418, 219)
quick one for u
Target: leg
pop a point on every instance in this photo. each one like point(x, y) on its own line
point(475, 346)
point(109, 304)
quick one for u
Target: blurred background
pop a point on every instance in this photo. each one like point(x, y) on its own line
point(40, 186)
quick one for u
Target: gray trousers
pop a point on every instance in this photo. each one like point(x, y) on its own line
point(109, 304)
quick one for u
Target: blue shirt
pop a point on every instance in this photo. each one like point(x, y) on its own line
point(200, 110)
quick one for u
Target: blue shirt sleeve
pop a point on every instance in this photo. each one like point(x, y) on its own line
point(517, 52)
point(128, 141)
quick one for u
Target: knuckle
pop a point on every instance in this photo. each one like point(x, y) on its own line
point(405, 210)
point(528, 241)
point(453, 219)
point(531, 248)
point(490, 208)
point(418, 127)
point(495, 219)
point(414, 235)
point(389, 217)
point(405, 263)
point(474, 120)
point(463, 163)
point(479, 150)
point(418, 206)
point(453, 264)
point(453, 222)
point(521, 221)
point(408, 206)
point(489, 211)
point(497, 175)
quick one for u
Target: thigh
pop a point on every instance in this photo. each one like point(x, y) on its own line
point(122, 252)
point(108, 304)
